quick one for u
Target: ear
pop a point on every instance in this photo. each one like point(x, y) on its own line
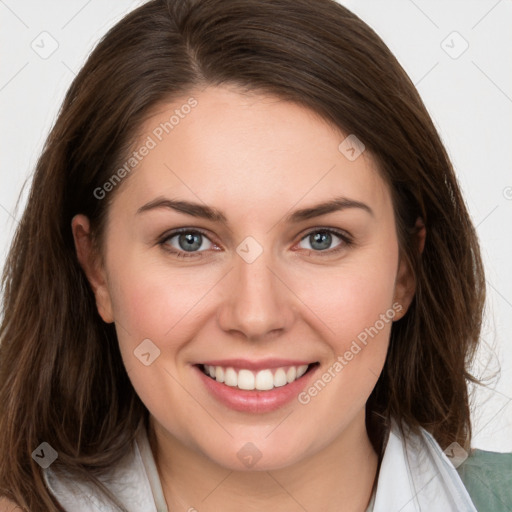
point(92, 266)
point(405, 284)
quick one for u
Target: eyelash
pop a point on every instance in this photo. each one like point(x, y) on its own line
point(346, 242)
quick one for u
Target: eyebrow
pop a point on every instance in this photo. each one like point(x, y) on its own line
point(214, 215)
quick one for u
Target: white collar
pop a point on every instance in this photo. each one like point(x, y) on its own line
point(133, 481)
point(416, 475)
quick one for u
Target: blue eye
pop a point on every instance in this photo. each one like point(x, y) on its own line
point(187, 243)
point(320, 241)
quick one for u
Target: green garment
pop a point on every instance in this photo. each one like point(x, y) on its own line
point(487, 477)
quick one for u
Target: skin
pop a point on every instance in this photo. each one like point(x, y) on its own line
point(8, 506)
point(256, 158)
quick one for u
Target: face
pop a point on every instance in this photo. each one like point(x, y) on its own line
point(258, 286)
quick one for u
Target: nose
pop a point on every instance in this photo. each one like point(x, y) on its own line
point(257, 304)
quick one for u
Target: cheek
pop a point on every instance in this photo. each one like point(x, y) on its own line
point(357, 306)
point(153, 302)
point(351, 297)
point(153, 299)
point(353, 308)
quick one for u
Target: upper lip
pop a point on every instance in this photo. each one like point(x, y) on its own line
point(256, 365)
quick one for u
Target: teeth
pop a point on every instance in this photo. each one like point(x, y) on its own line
point(230, 377)
point(219, 373)
point(291, 374)
point(301, 370)
point(263, 380)
point(245, 379)
point(280, 378)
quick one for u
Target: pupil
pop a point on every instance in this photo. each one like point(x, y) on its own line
point(190, 241)
point(322, 238)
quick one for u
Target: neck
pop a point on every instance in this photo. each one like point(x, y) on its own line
point(338, 477)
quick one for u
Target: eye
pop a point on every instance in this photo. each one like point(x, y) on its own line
point(320, 241)
point(186, 243)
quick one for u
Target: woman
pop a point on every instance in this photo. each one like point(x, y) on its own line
point(245, 278)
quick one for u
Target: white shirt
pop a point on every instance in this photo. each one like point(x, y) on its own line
point(415, 476)
point(134, 482)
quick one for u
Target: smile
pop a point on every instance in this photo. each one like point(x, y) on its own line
point(262, 380)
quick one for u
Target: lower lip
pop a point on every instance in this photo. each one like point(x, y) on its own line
point(255, 401)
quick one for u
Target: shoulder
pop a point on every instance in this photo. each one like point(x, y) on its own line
point(124, 486)
point(487, 476)
point(8, 506)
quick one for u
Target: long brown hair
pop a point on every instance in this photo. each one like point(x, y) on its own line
point(62, 379)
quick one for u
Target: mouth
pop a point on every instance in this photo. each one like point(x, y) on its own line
point(255, 387)
point(262, 380)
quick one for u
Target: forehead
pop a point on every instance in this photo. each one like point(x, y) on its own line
point(248, 151)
